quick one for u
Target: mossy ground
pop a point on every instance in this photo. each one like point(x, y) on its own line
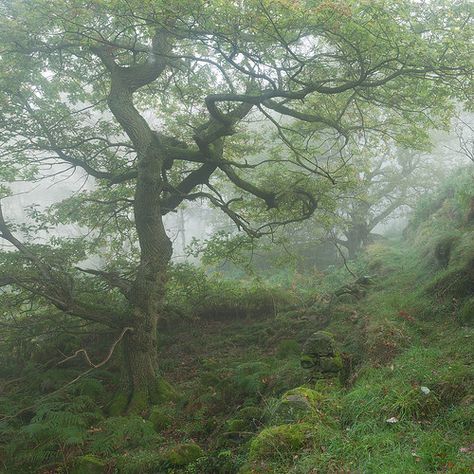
point(407, 405)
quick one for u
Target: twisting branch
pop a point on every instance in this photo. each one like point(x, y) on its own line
point(112, 278)
point(104, 361)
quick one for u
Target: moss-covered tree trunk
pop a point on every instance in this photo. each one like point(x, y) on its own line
point(142, 384)
point(146, 297)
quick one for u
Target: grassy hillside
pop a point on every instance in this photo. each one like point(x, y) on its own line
point(244, 404)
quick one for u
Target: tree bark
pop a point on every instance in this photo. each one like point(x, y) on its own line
point(357, 236)
point(140, 367)
point(142, 383)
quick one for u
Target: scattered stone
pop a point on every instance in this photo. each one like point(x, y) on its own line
point(357, 290)
point(321, 356)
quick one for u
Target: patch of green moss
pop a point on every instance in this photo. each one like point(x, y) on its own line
point(139, 402)
point(250, 413)
point(277, 441)
point(236, 425)
point(89, 464)
point(160, 418)
point(163, 391)
point(331, 364)
point(182, 454)
point(118, 405)
point(295, 405)
point(312, 396)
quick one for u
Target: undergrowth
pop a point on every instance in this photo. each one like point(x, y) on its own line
point(232, 350)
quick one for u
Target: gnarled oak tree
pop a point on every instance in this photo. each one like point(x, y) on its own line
point(153, 100)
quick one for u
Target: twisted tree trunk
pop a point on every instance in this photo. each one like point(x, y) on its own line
point(142, 384)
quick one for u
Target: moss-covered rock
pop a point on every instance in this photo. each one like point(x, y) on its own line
point(321, 356)
point(320, 344)
point(236, 425)
point(89, 464)
point(278, 441)
point(246, 420)
point(160, 418)
point(295, 405)
point(331, 364)
point(251, 414)
point(182, 454)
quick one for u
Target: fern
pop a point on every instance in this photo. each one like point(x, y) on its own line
point(58, 428)
point(122, 433)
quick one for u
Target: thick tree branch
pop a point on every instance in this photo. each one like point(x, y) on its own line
point(268, 197)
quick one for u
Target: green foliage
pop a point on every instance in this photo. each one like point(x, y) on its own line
point(58, 428)
point(117, 434)
point(140, 462)
point(450, 200)
point(160, 417)
point(89, 464)
point(194, 294)
point(413, 367)
point(220, 462)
